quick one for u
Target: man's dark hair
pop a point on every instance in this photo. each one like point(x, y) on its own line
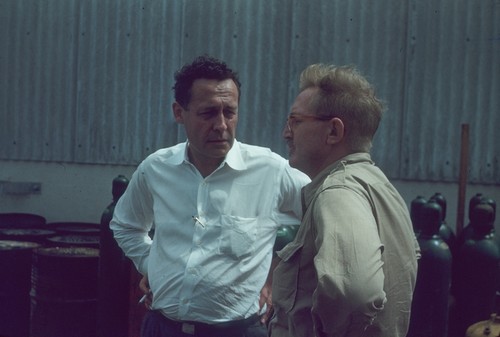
point(205, 67)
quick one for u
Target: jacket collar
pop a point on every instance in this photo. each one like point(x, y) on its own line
point(310, 189)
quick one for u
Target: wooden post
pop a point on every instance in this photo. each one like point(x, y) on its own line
point(462, 178)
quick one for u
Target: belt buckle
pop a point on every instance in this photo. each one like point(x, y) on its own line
point(188, 328)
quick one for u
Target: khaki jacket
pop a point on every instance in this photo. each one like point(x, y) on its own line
point(352, 267)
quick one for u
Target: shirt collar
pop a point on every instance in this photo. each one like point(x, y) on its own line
point(233, 158)
point(180, 156)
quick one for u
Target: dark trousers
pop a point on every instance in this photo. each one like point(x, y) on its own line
point(157, 325)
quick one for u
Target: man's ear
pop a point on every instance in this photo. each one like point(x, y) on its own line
point(177, 109)
point(337, 131)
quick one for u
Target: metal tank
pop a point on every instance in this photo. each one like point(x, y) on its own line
point(21, 220)
point(415, 213)
point(468, 230)
point(429, 314)
point(445, 231)
point(284, 235)
point(64, 292)
point(114, 274)
point(15, 285)
point(476, 271)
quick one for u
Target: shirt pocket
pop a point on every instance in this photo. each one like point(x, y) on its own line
point(238, 236)
point(286, 276)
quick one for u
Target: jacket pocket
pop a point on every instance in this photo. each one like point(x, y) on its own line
point(286, 275)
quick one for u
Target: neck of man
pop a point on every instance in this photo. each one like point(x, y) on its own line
point(206, 165)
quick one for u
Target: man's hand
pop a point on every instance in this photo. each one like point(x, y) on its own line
point(266, 299)
point(266, 294)
point(147, 299)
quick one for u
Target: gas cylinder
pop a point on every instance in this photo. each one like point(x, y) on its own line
point(476, 273)
point(445, 231)
point(294, 229)
point(118, 187)
point(429, 313)
point(415, 213)
point(114, 274)
point(493, 204)
point(284, 235)
point(467, 231)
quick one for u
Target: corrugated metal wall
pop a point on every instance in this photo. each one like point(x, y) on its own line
point(89, 81)
point(453, 77)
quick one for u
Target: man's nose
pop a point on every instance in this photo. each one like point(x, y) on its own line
point(287, 132)
point(220, 122)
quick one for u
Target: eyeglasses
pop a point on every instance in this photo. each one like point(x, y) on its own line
point(293, 119)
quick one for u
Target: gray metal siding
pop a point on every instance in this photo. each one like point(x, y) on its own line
point(89, 81)
point(356, 32)
point(452, 79)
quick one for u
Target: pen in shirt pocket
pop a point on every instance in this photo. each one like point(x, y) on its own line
point(197, 220)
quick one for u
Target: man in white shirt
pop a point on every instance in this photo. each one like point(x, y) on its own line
point(216, 205)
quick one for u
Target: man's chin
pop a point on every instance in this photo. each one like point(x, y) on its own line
point(219, 151)
point(291, 160)
point(222, 144)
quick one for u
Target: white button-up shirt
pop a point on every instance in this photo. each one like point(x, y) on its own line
point(214, 236)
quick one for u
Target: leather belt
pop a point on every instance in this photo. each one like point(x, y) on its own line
point(230, 328)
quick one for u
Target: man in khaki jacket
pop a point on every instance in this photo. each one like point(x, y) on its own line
point(351, 270)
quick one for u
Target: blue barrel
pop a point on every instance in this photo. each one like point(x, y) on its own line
point(64, 292)
point(74, 234)
point(15, 284)
point(26, 235)
point(21, 220)
point(75, 228)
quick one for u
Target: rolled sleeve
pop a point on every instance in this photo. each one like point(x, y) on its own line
point(132, 221)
